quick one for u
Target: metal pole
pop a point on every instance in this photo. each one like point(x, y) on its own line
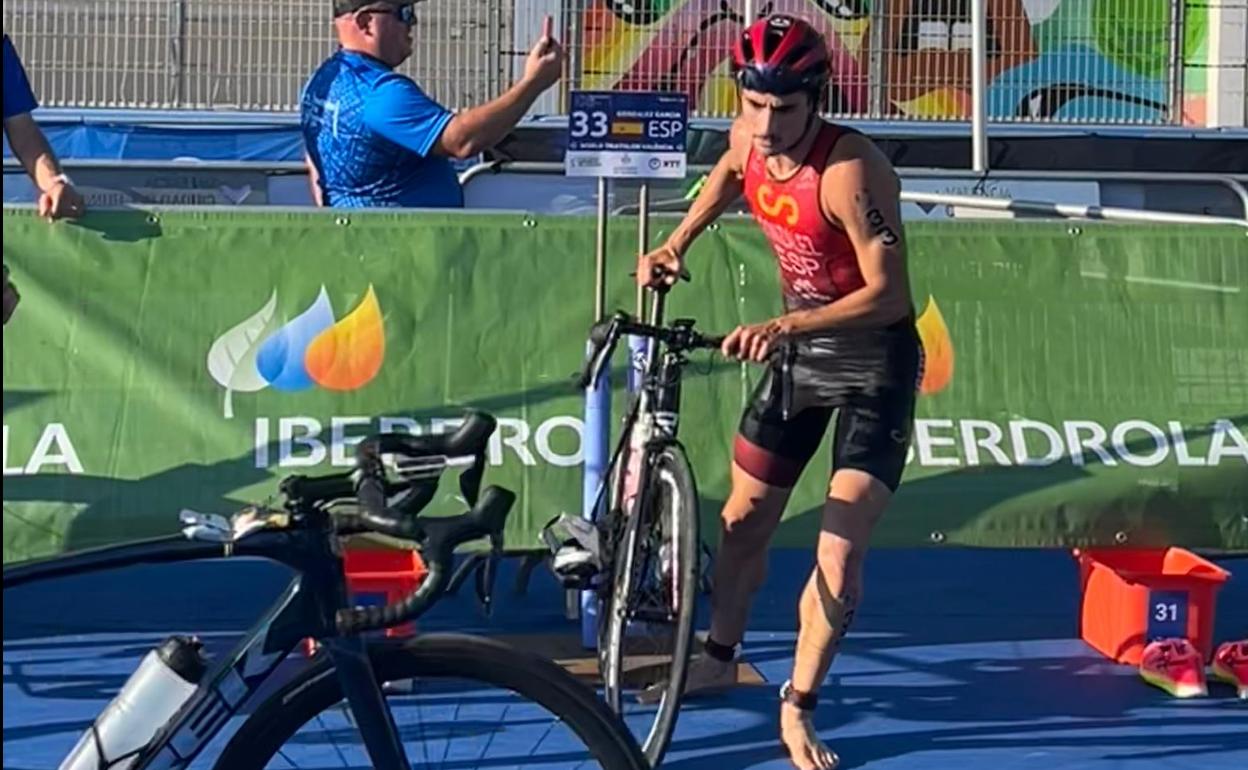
point(1177, 38)
point(749, 12)
point(1068, 210)
point(597, 417)
point(495, 50)
point(1230, 181)
point(877, 74)
point(572, 43)
point(643, 239)
point(637, 345)
point(174, 91)
point(600, 255)
point(979, 74)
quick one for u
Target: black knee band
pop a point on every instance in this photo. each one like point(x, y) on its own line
point(724, 653)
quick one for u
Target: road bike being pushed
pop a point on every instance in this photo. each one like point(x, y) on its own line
point(642, 555)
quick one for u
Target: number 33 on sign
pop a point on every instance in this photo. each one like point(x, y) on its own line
point(594, 124)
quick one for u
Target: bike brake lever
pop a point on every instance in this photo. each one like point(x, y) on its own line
point(470, 480)
point(592, 372)
point(487, 573)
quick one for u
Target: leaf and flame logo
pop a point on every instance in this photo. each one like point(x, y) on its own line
point(937, 349)
point(310, 350)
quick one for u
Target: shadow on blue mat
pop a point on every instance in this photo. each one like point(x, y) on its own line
point(959, 657)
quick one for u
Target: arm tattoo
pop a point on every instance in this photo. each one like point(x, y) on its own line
point(879, 226)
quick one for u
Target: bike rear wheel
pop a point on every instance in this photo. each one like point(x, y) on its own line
point(538, 717)
point(646, 626)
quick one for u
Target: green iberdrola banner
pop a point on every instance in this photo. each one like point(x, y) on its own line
point(1083, 385)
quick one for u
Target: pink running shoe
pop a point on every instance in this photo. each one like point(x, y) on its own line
point(1230, 664)
point(1176, 666)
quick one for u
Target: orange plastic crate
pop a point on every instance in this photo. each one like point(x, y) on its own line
point(1131, 596)
point(380, 576)
point(377, 577)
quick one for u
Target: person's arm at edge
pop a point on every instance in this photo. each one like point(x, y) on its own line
point(723, 187)
point(477, 129)
point(31, 148)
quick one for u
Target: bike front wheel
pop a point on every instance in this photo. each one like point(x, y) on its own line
point(646, 628)
point(459, 702)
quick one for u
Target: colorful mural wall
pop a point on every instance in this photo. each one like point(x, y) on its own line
point(1064, 60)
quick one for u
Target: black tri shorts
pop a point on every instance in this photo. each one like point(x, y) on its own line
point(868, 379)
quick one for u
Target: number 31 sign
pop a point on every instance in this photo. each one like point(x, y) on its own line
point(1167, 614)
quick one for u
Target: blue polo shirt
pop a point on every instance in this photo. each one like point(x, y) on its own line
point(371, 132)
point(18, 98)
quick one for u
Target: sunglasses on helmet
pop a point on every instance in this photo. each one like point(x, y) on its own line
point(405, 13)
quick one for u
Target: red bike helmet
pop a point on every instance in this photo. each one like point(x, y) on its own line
point(781, 55)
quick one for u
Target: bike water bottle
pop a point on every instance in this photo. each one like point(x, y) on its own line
point(165, 680)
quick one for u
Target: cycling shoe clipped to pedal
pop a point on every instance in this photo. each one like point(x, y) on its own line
point(576, 553)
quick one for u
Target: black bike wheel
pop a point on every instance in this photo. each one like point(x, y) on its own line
point(622, 532)
point(648, 617)
point(594, 738)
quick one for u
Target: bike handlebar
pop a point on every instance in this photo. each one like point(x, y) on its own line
point(438, 538)
point(604, 335)
point(319, 489)
point(470, 438)
point(393, 509)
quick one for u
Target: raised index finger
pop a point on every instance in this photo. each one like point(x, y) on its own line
point(547, 27)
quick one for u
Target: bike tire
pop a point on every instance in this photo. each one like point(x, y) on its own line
point(670, 469)
point(458, 656)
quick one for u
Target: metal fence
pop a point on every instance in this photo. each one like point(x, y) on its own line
point(233, 54)
point(1047, 60)
point(1229, 22)
point(1050, 60)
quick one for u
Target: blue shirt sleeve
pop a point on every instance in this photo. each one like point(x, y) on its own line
point(401, 112)
point(18, 98)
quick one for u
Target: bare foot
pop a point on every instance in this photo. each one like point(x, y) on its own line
point(705, 675)
point(797, 732)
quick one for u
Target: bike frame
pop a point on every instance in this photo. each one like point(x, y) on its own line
point(306, 608)
point(654, 419)
point(651, 426)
